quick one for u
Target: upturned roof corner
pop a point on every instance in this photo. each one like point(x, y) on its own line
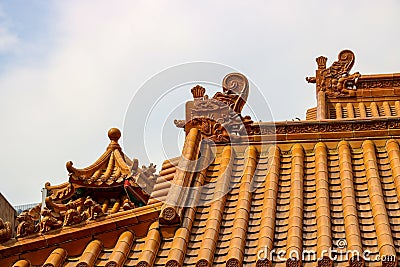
point(112, 167)
point(113, 183)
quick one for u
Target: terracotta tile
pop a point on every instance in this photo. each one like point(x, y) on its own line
point(109, 239)
point(76, 247)
point(38, 257)
point(9, 260)
point(27, 245)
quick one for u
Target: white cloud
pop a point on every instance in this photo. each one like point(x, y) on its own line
point(8, 41)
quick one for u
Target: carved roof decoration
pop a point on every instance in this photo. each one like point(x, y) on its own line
point(112, 171)
point(61, 191)
point(379, 81)
point(5, 231)
point(112, 184)
point(336, 81)
point(341, 94)
point(109, 170)
point(218, 118)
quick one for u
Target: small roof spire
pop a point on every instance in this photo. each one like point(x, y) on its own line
point(114, 134)
point(109, 170)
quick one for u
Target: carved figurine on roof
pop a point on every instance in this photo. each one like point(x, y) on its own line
point(26, 224)
point(218, 118)
point(336, 81)
point(5, 231)
point(113, 183)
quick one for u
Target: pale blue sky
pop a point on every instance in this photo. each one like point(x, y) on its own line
point(68, 69)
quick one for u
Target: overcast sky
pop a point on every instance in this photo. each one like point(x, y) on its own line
point(69, 69)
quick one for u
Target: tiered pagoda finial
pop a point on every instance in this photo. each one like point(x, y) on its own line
point(109, 170)
point(112, 183)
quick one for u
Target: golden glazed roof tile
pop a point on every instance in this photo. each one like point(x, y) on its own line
point(22, 263)
point(121, 250)
point(110, 169)
point(56, 258)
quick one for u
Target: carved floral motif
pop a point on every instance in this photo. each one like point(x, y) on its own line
point(303, 128)
point(232, 263)
point(335, 127)
point(142, 264)
point(378, 84)
point(169, 214)
point(394, 124)
point(368, 126)
point(356, 262)
point(198, 91)
point(263, 263)
point(292, 262)
point(322, 127)
point(202, 263)
point(172, 263)
point(389, 261)
point(325, 262)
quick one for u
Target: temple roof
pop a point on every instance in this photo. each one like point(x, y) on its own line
point(337, 184)
point(241, 190)
point(110, 169)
